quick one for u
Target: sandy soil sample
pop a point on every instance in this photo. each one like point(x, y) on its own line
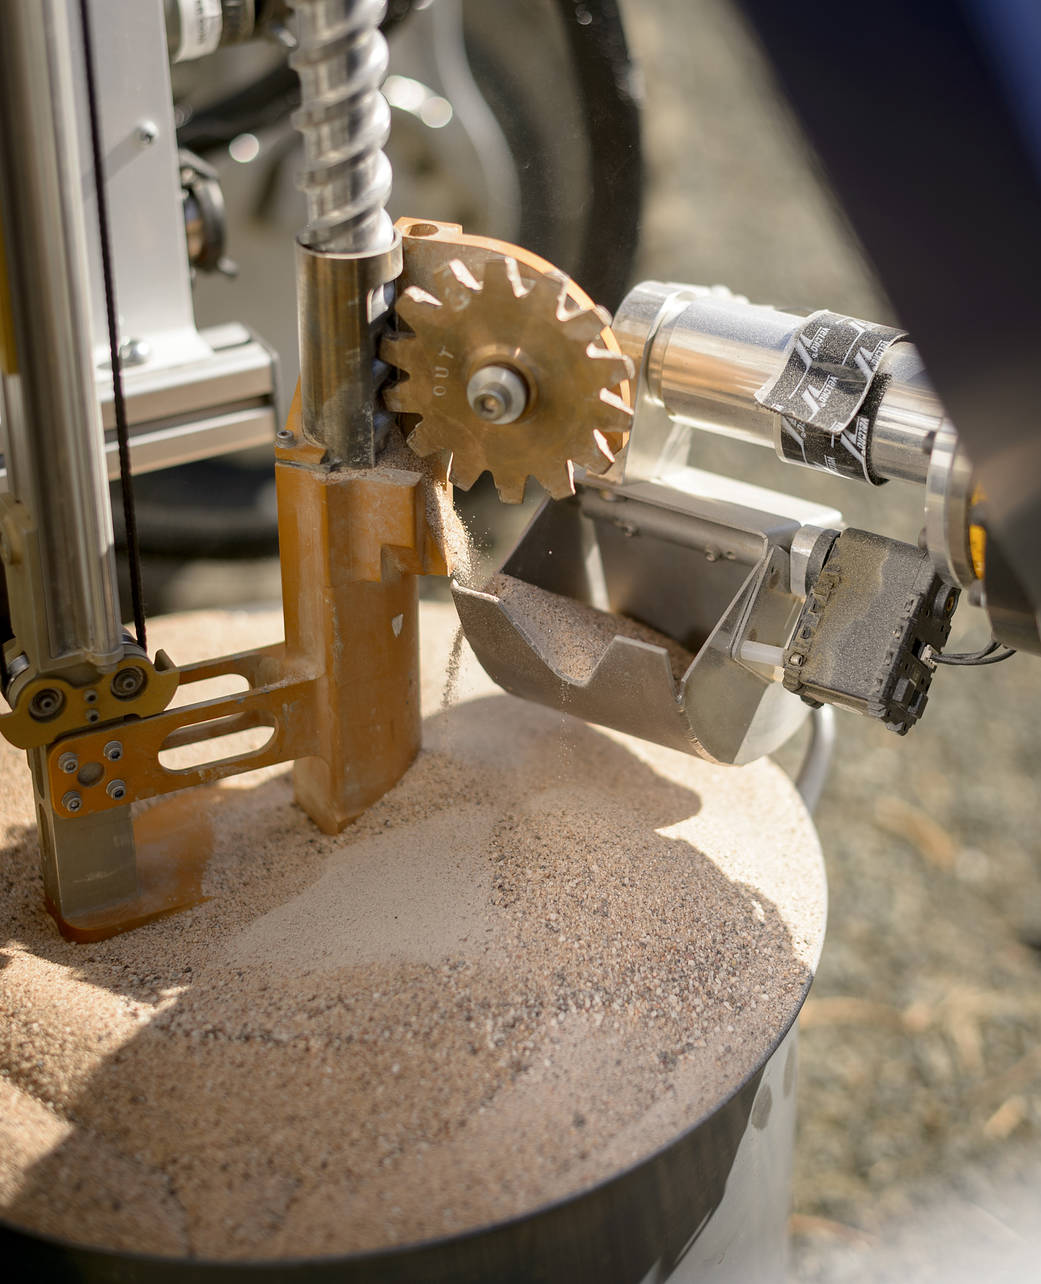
point(546, 952)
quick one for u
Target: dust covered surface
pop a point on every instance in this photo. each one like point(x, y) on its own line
point(536, 960)
point(572, 636)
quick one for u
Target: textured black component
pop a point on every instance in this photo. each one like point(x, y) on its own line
point(830, 367)
point(848, 454)
point(874, 608)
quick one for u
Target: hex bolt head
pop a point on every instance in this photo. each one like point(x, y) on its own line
point(69, 763)
point(497, 394)
point(72, 802)
point(113, 751)
point(116, 790)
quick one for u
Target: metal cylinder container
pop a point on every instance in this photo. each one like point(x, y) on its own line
point(709, 1208)
point(706, 354)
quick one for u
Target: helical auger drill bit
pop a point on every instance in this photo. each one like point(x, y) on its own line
point(341, 59)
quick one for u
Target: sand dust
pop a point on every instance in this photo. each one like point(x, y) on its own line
point(537, 959)
point(573, 637)
point(443, 518)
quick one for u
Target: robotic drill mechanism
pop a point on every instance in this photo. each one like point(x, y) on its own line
point(698, 611)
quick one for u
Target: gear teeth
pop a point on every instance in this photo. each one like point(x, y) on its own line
point(417, 308)
point(613, 367)
point(512, 490)
point(621, 414)
point(587, 325)
point(397, 351)
point(462, 472)
point(455, 285)
point(502, 281)
point(560, 482)
point(469, 302)
point(600, 449)
point(597, 457)
point(397, 400)
point(549, 291)
point(424, 440)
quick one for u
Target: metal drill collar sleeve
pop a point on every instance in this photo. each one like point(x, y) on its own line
point(368, 270)
point(339, 296)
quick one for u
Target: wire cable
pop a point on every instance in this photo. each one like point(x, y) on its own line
point(992, 653)
point(118, 401)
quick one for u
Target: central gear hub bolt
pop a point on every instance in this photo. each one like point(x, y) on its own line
point(497, 394)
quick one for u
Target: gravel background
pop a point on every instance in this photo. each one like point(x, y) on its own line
point(918, 1151)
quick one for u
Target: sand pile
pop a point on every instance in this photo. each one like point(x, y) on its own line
point(542, 955)
point(574, 637)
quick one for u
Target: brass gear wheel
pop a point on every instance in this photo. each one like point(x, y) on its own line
point(478, 315)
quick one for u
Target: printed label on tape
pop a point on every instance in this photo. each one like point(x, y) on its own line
point(828, 371)
point(845, 454)
point(201, 26)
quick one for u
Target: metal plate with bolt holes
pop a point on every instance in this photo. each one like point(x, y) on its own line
point(49, 707)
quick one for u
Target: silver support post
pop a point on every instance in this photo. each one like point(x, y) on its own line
point(61, 567)
point(55, 445)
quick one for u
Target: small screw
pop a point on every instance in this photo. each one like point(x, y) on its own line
point(68, 763)
point(72, 801)
point(116, 790)
point(147, 133)
point(797, 660)
point(113, 751)
point(285, 437)
point(90, 697)
point(134, 352)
